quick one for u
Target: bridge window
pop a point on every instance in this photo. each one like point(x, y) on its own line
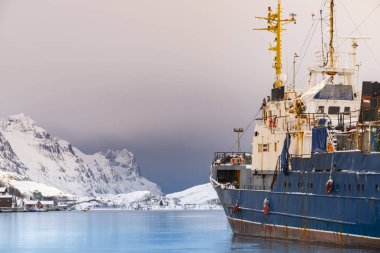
point(347, 109)
point(321, 109)
point(334, 109)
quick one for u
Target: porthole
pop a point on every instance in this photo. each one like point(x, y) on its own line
point(363, 187)
point(349, 187)
point(337, 187)
point(299, 184)
point(358, 187)
point(345, 187)
point(289, 184)
point(377, 188)
point(285, 185)
point(311, 185)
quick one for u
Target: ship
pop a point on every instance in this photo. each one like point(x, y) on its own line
point(313, 175)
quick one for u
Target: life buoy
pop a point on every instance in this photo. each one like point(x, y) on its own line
point(266, 206)
point(237, 160)
point(236, 208)
point(272, 122)
point(329, 185)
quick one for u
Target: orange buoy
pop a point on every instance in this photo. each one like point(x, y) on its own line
point(236, 208)
point(330, 147)
point(266, 206)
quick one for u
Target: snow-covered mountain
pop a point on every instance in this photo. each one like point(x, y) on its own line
point(29, 151)
point(198, 197)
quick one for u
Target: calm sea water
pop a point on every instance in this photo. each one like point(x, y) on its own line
point(133, 231)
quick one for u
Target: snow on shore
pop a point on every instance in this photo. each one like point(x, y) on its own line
point(201, 197)
point(197, 197)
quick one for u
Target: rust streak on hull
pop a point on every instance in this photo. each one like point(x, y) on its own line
point(245, 228)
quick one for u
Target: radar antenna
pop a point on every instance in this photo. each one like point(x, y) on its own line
point(275, 26)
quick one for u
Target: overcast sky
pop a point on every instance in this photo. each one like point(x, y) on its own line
point(167, 79)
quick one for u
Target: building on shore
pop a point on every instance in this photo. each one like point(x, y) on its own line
point(39, 205)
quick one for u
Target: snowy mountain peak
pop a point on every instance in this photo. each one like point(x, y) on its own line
point(23, 123)
point(21, 120)
point(122, 158)
point(29, 150)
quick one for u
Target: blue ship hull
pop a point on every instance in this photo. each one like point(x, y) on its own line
point(314, 171)
point(300, 208)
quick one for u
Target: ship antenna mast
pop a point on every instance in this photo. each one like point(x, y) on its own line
point(331, 33)
point(275, 24)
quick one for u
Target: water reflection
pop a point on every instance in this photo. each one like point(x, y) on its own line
point(135, 231)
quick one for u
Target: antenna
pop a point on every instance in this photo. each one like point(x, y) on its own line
point(354, 45)
point(331, 51)
point(322, 45)
point(275, 26)
point(294, 69)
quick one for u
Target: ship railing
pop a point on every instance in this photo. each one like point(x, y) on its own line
point(339, 58)
point(368, 136)
point(344, 121)
point(255, 187)
point(313, 119)
point(304, 155)
point(232, 158)
point(298, 122)
point(359, 136)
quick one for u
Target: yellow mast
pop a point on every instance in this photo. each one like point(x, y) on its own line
point(275, 25)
